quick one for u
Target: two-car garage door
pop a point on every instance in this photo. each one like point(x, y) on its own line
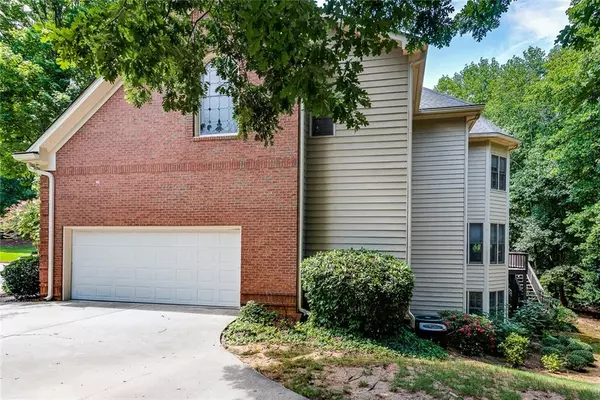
point(176, 266)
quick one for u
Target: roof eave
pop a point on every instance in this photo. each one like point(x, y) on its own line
point(506, 140)
point(449, 112)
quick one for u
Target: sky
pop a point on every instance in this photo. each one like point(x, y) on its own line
point(527, 23)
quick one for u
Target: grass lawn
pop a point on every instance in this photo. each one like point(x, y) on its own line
point(320, 364)
point(11, 253)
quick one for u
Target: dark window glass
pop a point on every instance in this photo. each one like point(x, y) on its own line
point(497, 243)
point(502, 174)
point(498, 173)
point(493, 304)
point(501, 243)
point(494, 244)
point(322, 126)
point(475, 303)
point(494, 172)
point(475, 243)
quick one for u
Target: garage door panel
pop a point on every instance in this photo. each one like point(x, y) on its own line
point(192, 267)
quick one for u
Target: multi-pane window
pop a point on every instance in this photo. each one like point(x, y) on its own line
point(498, 172)
point(322, 126)
point(475, 243)
point(497, 243)
point(475, 303)
point(216, 110)
point(497, 304)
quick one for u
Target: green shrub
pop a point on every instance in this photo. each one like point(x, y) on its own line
point(471, 334)
point(23, 220)
point(515, 349)
point(550, 350)
point(504, 327)
point(539, 318)
point(552, 362)
point(575, 345)
point(22, 277)
point(575, 354)
point(549, 340)
point(588, 356)
point(575, 361)
point(360, 291)
point(256, 313)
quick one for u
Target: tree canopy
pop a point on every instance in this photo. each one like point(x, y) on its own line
point(34, 89)
point(298, 50)
point(551, 103)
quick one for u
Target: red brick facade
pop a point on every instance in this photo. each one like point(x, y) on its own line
point(143, 167)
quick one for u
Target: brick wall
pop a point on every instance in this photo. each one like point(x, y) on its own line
point(143, 167)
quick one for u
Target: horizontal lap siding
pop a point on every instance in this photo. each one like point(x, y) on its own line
point(477, 186)
point(438, 190)
point(475, 277)
point(498, 277)
point(356, 182)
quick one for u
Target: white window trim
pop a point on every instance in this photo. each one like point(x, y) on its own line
point(320, 137)
point(505, 190)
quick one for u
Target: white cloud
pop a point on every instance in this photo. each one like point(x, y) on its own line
point(538, 19)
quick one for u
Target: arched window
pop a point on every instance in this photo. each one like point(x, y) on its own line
point(216, 110)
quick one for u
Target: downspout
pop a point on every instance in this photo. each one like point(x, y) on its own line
point(50, 228)
point(409, 181)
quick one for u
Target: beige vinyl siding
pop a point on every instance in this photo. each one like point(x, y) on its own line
point(438, 201)
point(498, 276)
point(356, 181)
point(498, 198)
point(477, 183)
point(475, 277)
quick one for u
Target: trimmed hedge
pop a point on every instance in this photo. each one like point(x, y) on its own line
point(361, 291)
point(22, 277)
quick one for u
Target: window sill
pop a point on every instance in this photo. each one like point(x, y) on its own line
point(203, 138)
point(498, 190)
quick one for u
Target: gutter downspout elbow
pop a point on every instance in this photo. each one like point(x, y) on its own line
point(50, 229)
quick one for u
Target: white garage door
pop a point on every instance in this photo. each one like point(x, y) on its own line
point(199, 267)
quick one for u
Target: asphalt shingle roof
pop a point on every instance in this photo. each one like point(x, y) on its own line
point(432, 99)
point(482, 125)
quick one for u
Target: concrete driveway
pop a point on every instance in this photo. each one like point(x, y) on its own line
point(94, 350)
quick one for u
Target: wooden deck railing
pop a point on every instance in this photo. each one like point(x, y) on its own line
point(518, 263)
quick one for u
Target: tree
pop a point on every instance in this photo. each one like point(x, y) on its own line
point(272, 53)
point(34, 89)
point(555, 174)
point(23, 221)
point(14, 190)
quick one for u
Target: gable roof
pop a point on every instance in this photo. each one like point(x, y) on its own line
point(430, 99)
point(43, 151)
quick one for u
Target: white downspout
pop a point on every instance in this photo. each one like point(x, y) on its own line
point(50, 228)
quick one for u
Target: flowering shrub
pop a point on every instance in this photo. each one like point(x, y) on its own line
point(472, 334)
point(23, 220)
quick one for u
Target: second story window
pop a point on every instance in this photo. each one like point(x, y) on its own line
point(498, 172)
point(475, 243)
point(216, 110)
point(497, 243)
point(322, 126)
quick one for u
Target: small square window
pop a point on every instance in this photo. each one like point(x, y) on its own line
point(475, 303)
point(322, 126)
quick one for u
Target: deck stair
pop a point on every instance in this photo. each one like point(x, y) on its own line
point(522, 280)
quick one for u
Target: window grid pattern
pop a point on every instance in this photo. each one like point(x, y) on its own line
point(498, 172)
point(475, 243)
point(497, 243)
point(216, 110)
point(475, 303)
point(497, 304)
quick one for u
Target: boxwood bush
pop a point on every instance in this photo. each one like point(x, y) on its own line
point(361, 291)
point(573, 353)
point(22, 277)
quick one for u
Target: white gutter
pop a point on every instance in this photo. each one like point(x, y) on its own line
point(50, 229)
